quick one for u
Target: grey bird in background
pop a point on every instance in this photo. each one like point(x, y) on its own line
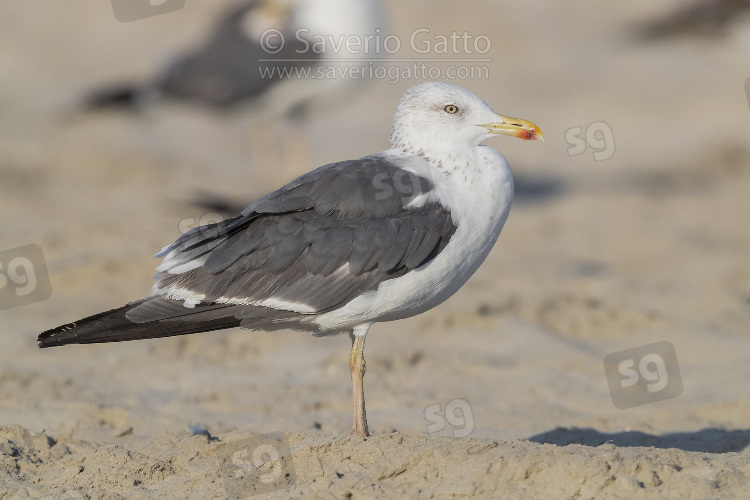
point(251, 55)
point(276, 61)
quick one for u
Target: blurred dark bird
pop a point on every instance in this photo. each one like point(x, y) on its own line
point(706, 18)
point(278, 61)
point(265, 52)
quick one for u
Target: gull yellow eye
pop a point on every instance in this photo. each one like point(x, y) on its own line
point(450, 108)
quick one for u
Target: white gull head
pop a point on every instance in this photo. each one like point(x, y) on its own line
point(437, 116)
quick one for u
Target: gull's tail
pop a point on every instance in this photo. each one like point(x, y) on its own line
point(149, 318)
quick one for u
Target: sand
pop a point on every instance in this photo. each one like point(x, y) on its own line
point(649, 245)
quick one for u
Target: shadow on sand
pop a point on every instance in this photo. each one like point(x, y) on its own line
point(706, 440)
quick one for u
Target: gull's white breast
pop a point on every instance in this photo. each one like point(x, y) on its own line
point(477, 187)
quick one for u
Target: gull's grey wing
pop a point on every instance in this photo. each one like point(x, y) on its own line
point(230, 66)
point(308, 248)
point(315, 244)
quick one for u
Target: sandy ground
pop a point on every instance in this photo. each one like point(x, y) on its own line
point(499, 393)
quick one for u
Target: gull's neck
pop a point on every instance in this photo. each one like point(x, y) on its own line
point(466, 160)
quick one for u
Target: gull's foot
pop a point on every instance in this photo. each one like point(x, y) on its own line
point(355, 432)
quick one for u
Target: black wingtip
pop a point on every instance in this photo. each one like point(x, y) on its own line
point(48, 338)
point(116, 326)
point(80, 331)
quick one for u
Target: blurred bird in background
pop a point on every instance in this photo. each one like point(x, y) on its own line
point(265, 58)
point(705, 18)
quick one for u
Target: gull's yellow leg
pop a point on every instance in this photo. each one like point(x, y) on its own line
point(357, 370)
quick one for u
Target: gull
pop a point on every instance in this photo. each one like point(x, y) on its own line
point(252, 53)
point(385, 237)
point(279, 60)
